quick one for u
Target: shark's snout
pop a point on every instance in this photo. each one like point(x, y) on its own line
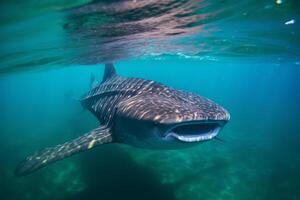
point(196, 122)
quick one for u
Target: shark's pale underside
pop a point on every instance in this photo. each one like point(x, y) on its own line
point(140, 113)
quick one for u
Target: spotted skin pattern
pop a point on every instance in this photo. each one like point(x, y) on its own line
point(46, 156)
point(148, 100)
point(127, 98)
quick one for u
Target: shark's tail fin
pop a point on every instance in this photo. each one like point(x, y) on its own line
point(47, 156)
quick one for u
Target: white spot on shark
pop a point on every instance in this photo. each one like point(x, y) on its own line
point(91, 144)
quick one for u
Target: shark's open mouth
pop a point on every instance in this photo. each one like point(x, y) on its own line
point(195, 132)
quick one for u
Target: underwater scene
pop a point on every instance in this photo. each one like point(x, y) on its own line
point(156, 100)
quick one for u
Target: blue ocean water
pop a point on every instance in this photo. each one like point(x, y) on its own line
point(244, 56)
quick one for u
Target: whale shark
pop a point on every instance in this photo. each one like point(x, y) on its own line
point(138, 112)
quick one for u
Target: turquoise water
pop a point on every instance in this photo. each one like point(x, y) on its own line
point(242, 55)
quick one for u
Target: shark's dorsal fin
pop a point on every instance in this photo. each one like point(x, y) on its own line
point(93, 81)
point(109, 71)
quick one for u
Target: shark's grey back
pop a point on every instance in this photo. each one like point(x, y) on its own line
point(145, 98)
point(103, 99)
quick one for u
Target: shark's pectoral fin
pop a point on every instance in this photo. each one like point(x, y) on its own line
point(47, 156)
